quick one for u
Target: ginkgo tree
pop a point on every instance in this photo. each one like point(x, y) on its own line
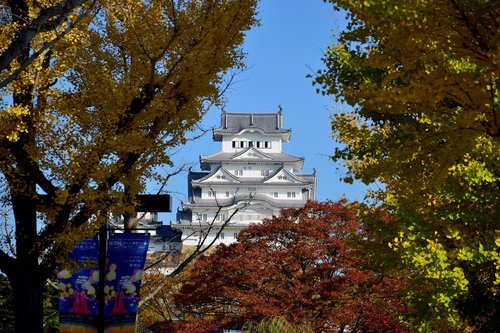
point(422, 80)
point(90, 103)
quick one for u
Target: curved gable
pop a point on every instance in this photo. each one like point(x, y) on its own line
point(219, 175)
point(283, 176)
point(251, 153)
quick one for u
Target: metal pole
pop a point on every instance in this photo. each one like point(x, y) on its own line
point(103, 237)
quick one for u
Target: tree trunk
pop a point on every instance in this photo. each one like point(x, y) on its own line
point(27, 277)
point(28, 288)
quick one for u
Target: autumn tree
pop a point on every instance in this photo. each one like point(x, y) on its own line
point(299, 266)
point(422, 82)
point(90, 103)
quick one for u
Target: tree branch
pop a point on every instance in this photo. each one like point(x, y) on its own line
point(46, 46)
point(48, 19)
point(199, 250)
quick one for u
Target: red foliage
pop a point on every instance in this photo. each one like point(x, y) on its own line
point(301, 266)
point(199, 326)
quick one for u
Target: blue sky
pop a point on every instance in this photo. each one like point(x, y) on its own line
point(286, 47)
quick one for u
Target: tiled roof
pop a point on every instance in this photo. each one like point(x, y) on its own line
point(221, 157)
point(286, 172)
point(242, 198)
point(232, 123)
point(208, 175)
point(168, 234)
point(194, 176)
point(247, 181)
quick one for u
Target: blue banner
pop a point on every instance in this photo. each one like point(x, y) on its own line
point(126, 256)
point(77, 286)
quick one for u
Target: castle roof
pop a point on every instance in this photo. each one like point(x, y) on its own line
point(166, 233)
point(242, 199)
point(304, 180)
point(246, 156)
point(265, 123)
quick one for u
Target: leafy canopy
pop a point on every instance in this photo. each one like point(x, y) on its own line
point(98, 112)
point(94, 95)
point(300, 266)
point(422, 78)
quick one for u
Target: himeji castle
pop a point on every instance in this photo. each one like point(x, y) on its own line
point(250, 175)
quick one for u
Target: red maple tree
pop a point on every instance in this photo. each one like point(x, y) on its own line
point(302, 266)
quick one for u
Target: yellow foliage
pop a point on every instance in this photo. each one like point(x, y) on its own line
point(92, 103)
point(423, 81)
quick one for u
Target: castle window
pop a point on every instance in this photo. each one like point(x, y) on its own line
point(264, 172)
point(227, 194)
point(274, 194)
point(212, 193)
point(235, 144)
point(267, 144)
point(290, 194)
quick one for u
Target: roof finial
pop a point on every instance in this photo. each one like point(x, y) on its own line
point(279, 118)
point(223, 118)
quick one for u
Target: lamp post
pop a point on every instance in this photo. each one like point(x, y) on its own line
point(155, 203)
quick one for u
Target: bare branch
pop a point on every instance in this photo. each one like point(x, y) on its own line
point(51, 283)
point(201, 248)
point(8, 234)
